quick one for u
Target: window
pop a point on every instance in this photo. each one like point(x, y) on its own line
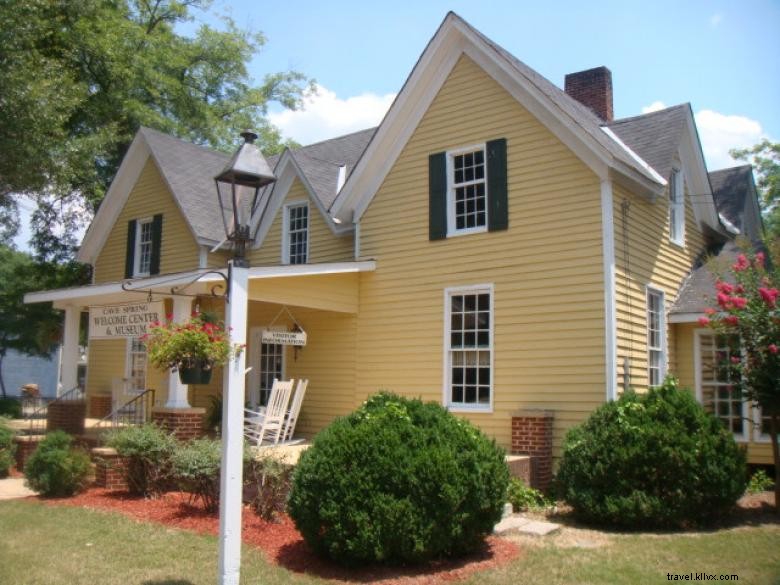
point(296, 239)
point(467, 191)
point(136, 364)
point(715, 385)
point(271, 368)
point(143, 248)
point(469, 347)
point(676, 208)
point(656, 337)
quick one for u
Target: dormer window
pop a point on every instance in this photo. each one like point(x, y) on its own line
point(296, 236)
point(466, 191)
point(676, 208)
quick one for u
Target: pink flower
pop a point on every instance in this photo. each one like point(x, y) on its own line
point(709, 311)
point(723, 299)
point(741, 264)
point(732, 320)
point(769, 295)
point(739, 302)
point(740, 289)
point(759, 261)
point(772, 348)
point(703, 321)
point(724, 287)
point(735, 359)
point(169, 316)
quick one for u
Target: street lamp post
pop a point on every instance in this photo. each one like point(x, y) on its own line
point(238, 187)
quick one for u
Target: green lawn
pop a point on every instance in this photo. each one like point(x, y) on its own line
point(44, 545)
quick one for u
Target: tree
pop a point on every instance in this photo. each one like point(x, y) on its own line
point(748, 316)
point(77, 80)
point(765, 157)
point(32, 329)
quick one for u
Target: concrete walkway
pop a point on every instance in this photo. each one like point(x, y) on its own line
point(522, 525)
point(12, 488)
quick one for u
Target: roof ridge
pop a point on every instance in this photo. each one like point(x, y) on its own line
point(207, 149)
point(649, 114)
point(731, 169)
point(373, 128)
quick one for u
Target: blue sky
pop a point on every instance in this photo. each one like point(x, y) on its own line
point(722, 57)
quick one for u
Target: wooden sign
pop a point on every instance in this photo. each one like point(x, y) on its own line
point(122, 321)
point(297, 338)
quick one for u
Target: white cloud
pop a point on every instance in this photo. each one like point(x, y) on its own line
point(716, 19)
point(654, 107)
point(325, 115)
point(719, 133)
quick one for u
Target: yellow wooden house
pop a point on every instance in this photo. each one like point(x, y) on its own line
point(497, 244)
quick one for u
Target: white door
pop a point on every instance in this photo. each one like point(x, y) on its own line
point(267, 361)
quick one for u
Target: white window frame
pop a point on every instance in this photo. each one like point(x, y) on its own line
point(446, 387)
point(129, 354)
point(139, 225)
point(677, 208)
point(255, 361)
point(286, 229)
point(450, 158)
point(698, 382)
point(654, 290)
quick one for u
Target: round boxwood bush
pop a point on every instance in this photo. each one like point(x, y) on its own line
point(56, 468)
point(398, 481)
point(651, 460)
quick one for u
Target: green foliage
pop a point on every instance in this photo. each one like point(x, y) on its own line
point(10, 407)
point(398, 481)
point(213, 420)
point(523, 497)
point(185, 345)
point(56, 468)
point(651, 460)
point(149, 450)
point(196, 466)
point(759, 482)
point(272, 480)
point(765, 158)
point(7, 448)
point(77, 80)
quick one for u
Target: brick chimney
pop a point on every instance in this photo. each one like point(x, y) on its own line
point(593, 88)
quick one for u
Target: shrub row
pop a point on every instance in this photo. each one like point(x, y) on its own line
point(7, 448)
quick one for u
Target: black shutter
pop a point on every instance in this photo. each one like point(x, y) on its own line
point(437, 196)
point(130, 251)
point(498, 215)
point(154, 263)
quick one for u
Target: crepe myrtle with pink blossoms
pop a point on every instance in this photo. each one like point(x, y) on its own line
point(748, 317)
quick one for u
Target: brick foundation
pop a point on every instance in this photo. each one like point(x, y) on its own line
point(99, 405)
point(25, 446)
point(67, 415)
point(110, 469)
point(532, 435)
point(185, 423)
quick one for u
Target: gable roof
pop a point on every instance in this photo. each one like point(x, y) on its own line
point(736, 197)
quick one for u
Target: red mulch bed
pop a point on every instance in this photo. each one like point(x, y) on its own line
point(283, 544)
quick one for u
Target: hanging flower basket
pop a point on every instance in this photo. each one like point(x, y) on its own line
point(193, 347)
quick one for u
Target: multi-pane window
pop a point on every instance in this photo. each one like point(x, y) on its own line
point(469, 343)
point(717, 390)
point(136, 364)
point(656, 337)
point(468, 191)
point(271, 368)
point(297, 233)
point(143, 247)
point(676, 208)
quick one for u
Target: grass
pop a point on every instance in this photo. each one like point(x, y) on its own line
point(45, 545)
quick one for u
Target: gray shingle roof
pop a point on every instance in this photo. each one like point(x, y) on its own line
point(731, 188)
point(655, 136)
point(698, 290)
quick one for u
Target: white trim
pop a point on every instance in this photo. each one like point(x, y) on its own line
point(695, 172)
point(356, 241)
point(608, 131)
point(677, 208)
point(449, 292)
point(341, 179)
point(450, 171)
point(285, 256)
point(728, 225)
point(203, 257)
point(685, 317)
point(139, 223)
point(652, 289)
point(610, 311)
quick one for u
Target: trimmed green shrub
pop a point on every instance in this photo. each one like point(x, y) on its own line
point(149, 450)
point(398, 481)
point(523, 497)
point(651, 460)
point(7, 448)
point(10, 407)
point(272, 480)
point(759, 482)
point(196, 467)
point(56, 468)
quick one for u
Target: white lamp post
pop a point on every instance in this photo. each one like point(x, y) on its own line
point(238, 186)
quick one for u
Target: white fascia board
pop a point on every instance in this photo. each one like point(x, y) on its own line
point(695, 172)
point(264, 272)
point(728, 225)
point(635, 156)
point(685, 317)
point(114, 201)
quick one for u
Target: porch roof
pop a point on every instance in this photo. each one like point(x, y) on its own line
point(340, 291)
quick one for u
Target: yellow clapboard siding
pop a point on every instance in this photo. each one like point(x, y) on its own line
point(149, 196)
point(548, 290)
point(324, 245)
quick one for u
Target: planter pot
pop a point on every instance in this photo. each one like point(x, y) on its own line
point(195, 375)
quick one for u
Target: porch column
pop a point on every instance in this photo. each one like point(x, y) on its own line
point(69, 356)
point(177, 392)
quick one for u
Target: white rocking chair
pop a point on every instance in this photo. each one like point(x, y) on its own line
point(292, 415)
point(266, 426)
